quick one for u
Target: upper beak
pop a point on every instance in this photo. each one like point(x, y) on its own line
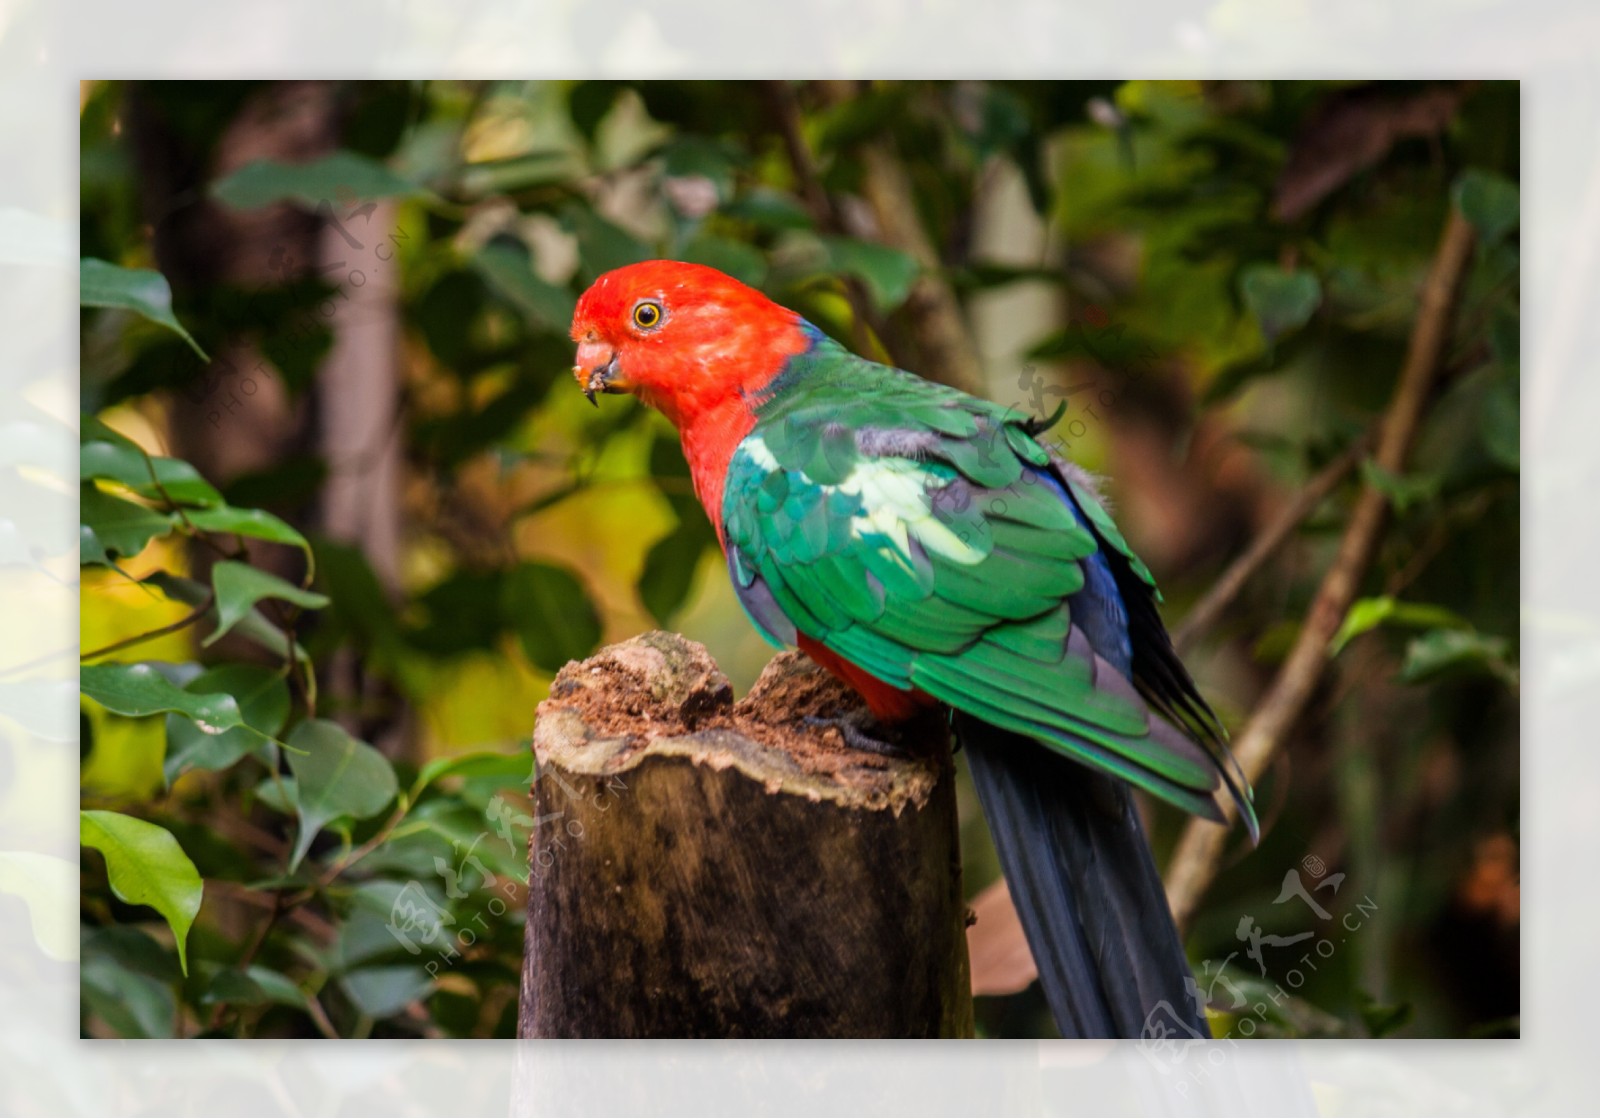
point(597, 371)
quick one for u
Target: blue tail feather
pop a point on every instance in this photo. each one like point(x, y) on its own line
point(1085, 887)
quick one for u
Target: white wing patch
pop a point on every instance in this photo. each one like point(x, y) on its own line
point(894, 504)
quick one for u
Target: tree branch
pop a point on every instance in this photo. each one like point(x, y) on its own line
point(1199, 853)
point(1209, 609)
point(945, 347)
point(188, 619)
point(825, 212)
point(786, 108)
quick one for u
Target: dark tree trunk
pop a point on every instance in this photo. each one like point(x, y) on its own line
point(239, 417)
point(706, 869)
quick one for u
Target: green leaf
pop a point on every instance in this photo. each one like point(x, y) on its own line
point(888, 273)
point(1402, 492)
point(146, 867)
point(589, 102)
point(290, 481)
point(461, 825)
point(254, 986)
point(90, 550)
point(1383, 1019)
point(1492, 203)
point(602, 245)
point(172, 478)
point(369, 935)
point(263, 698)
point(688, 156)
point(92, 429)
point(335, 775)
point(110, 527)
point(1281, 301)
point(861, 117)
point(254, 523)
point(359, 602)
point(1369, 613)
point(130, 947)
point(102, 284)
point(276, 987)
point(134, 1005)
point(464, 614)
point(509, 270)
point(239, 587)
point(254, 625)
point(379, 992)
point(278, 793)
point(769, 209)
point(669, 569)
point(519, 172)
point(1363, 615)
point(743, 262)
point(551, 614)
point(138, 689)
point(1452, 652)
point(446, 314)
point(1236, 374)
point(482, 764)
point(340, 178)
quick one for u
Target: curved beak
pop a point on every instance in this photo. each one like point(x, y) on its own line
point(596, 370)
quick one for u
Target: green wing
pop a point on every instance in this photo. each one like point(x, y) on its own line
point(925, 536)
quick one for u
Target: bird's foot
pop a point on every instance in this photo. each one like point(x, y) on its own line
point(858, 739)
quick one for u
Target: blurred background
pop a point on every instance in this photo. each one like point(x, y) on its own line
point(337, 470)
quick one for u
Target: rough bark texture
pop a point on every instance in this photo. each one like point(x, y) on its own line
point(702, 868)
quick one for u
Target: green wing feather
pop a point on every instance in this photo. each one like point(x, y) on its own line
point(911, 529)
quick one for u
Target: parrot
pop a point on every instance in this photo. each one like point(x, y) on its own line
point(924, 546)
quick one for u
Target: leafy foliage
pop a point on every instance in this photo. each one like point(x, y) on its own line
point(146, 866)
point(328, 727)
point(133, 289)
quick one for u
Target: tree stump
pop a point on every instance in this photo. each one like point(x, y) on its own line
point(702, 868)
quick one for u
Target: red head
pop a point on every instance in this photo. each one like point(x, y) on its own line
point(683, 338)
point(691, 343)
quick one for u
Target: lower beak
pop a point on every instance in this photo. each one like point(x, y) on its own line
point(602, 378)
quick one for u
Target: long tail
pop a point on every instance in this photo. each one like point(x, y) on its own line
point(1085, 887)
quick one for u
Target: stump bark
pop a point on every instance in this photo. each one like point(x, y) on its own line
point(701, 868)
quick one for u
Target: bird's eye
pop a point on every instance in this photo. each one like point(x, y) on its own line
point(647, 315)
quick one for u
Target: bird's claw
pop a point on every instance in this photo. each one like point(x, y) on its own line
point(856, 738)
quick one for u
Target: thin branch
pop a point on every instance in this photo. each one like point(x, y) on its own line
point(150, 635)
point(824, 207)
point(250, 952)
point(1209, 609)
point(1199, 852)
point(266, 898)
point(786, 108)
point(361, 852)
point(319, 1018)
point(193, 532)
point(945, 345)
